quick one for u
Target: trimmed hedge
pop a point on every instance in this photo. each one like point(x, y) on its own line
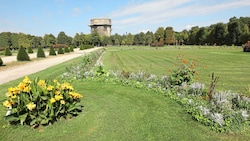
point(52, 51)
point(60, 50)
point(1, 61)
point(30, 50)
point(82, 47)
point(7, 52)
point(22, 55)
point(71, 49)
point(66, 50)
point(40, 52)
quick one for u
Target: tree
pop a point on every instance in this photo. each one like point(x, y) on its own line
point(30, 50)
point(95, 38)
point(219, 33)
point(36, 41)
point(234, 31)
point(23, 40)
point(169, 35)
point(159, 34)
point(62, 38)
point(22, 55)
point(192, 35)
point(201, 36)
point(49, 40)
point(5, 39)
point(14, 41)
point(129, 39)
point(60, 50)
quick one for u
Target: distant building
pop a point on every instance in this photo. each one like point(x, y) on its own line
point(102, 26)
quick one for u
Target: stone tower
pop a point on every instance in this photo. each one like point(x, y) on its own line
point(102, 26)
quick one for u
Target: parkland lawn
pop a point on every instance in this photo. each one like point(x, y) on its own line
point(231, 64)
point(116, 112)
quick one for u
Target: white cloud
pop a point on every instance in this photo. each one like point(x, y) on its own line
point(162, 11)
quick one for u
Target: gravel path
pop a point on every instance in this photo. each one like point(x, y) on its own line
point(13, 73)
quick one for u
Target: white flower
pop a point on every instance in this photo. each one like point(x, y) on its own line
point(218, 118)
point(244, 114)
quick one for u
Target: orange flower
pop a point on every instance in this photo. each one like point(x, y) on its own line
point(185, 61)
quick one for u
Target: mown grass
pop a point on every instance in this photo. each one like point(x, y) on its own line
point(231, 64)
point(115, 112)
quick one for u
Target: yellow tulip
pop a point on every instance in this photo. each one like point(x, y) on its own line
point(50, 88)
point(26, 80)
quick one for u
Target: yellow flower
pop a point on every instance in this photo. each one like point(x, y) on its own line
point(52, 100)
point(26, 80)
point(75, 95)
point(58, 97)
point(55, 81)
point(8, 94)
point(13, 96)
point(62, 102)
point(27, 89)
point(7, 103)
point(66, 86)
point(50, 88)
point(57, 92)
point(42, 83)
point(21, 86)
point(31, 106)
point(13, 90)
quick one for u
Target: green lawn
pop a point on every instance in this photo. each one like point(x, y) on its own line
point(229, 63)
point(115, 112)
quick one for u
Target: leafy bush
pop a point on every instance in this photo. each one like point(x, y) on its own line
point(85, 46)
point(7, 52)
point(41, 102)
point(184, 73)
point(1, 61)
point(60, 50)
point(52, 51)
point(66, 50)
point(40, 52)
point(30, 50)
point(22, 55)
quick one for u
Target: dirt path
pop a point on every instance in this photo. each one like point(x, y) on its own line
point(13, 73)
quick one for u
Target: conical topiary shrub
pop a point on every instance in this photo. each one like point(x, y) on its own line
point(66, 50)
point(60, 50)
point(1, 61)
point(7, 52)
point(52, 51)
point(40, 52)
point(82, 47)
point(22, 55)
point(71, 49)
point(30, 50)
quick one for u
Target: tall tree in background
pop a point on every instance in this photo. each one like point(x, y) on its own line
point(23, 40)
point(62, 38)
point(219, 33)
point(95, 38)
point(159, 34)
point(5, 39)
point(192, 35)
point(149, 38)
point(36, 41)
point(130, 39)
point(234, 31)
point(49, 40)
point(169, 35)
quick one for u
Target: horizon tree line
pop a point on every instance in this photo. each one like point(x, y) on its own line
point(235, 32)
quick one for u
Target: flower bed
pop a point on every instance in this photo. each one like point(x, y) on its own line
point(41, 102)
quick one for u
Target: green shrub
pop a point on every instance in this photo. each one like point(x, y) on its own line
point(7, 52)
point(71, 49)
point(81, 47)
point(41, 102)
point(30, 50)
point(66, 49)
point(1, 61)
point(52, 51)
point(40, 52)
point(22, 55)
point(60, 50)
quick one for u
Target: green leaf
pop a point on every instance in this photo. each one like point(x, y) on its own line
point(33, 122)
point(23, 118)
point(44, 121)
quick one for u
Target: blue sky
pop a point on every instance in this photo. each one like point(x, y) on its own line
point(40, 17)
